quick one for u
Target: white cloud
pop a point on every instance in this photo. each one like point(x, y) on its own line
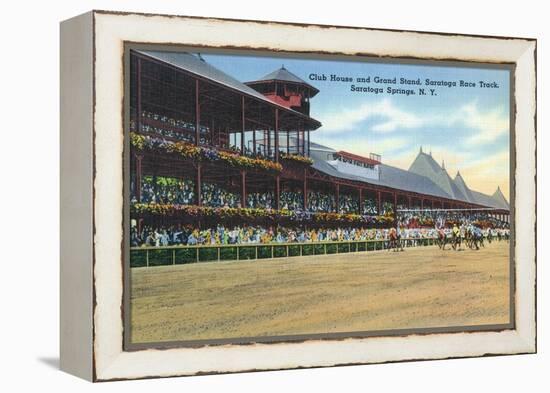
point(393, 118)
point(475, 126)
point(488, 125)
point(386, 145)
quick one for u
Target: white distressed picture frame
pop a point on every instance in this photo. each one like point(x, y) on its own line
point(92, 142)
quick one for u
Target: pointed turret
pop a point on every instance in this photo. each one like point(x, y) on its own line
point(463, 187)
point(500, 199)
point(425, 165)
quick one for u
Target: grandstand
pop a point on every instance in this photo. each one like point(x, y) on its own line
point(202, 139)
point(224, 172)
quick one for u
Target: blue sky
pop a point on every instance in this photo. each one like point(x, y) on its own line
point(467, 127)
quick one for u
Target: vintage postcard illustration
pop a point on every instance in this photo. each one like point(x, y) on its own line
point(276, 197)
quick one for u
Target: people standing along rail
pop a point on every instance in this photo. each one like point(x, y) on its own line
point(186, 235)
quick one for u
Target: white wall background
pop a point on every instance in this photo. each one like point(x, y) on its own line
point(29, 183)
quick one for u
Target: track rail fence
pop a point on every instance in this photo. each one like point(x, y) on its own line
point(177, 255)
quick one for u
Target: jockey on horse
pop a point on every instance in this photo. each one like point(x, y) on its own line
point(399, 241)
point(477, 237)
point(441, 238)
point(395, 240)
point(392, 236)
point(457, 239)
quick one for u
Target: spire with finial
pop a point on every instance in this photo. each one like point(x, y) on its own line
point(443, 164)
point(499, 197)
point(458, 173)
point(420, 149)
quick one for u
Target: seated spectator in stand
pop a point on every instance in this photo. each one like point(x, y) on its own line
point(291, 200)
point(166, 190)
point(260, 200)
point(369, 207)
point(320, 202)
point(348, 204)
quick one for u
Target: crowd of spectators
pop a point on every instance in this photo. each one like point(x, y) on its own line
point(215, 196)
point(443, 219)
point(387, 208)
point(176, 129)
point(320, 202)
point(177, 191)
point(186, 235)
point(369, 207)
point(348, 204)
point(184, 131)
point(219, 235)
point(166, 190)
point(291, 200)
point(260, 200)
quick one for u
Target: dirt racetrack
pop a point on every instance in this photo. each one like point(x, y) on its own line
point(418, 288)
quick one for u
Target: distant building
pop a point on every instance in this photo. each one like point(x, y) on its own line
point(425, 176)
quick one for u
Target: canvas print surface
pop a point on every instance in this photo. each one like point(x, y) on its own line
point(275, 197)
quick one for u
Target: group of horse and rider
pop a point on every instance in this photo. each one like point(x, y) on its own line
point(469, 235)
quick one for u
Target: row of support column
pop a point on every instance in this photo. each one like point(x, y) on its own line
point(198, 186)
point(303, 146)
point(504, 217)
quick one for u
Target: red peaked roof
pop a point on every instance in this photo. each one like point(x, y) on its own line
point(355, 157)
point(282, 74)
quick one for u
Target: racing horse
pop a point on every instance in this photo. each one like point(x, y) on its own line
point(480, 238)
point(468, 238)
point(456, 241)
point(441, 239)
point(474, 239)
point(477, 238)
point(394, 241)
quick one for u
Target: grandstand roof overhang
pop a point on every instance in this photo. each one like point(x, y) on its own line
point(320, 175)
point(223, 95)
point(397, 181)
